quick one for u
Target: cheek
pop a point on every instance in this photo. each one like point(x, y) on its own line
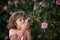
point(19, 23)
point(19, 26)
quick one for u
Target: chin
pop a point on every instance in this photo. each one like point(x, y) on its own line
point(19, 29)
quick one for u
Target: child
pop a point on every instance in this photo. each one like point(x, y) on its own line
point(18, 26)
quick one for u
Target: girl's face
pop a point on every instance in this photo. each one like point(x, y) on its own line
point(19, 22)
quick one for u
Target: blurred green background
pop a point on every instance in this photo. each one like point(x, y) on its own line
point(40, 11)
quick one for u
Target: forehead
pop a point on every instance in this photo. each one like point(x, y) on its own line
point(21, 17)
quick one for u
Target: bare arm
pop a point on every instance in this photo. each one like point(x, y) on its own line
point(29, 35)
point(22, 31)
point(14, 37)
point(21, 34)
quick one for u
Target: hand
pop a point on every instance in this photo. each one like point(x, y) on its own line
point(27, 19)
point(25, 25)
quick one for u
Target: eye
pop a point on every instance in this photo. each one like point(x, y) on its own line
point(21, 20)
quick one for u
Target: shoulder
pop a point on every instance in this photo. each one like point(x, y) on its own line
point(12, 32)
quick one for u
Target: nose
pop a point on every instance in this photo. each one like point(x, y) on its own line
point(22, 20)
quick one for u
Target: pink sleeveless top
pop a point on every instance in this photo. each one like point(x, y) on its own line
point(16, 32)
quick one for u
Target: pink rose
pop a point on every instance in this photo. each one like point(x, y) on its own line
point(15, 2)
point(9, 3)
point(43, 5)
point(44, 25)
point(58, 2)
point(5, 8)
